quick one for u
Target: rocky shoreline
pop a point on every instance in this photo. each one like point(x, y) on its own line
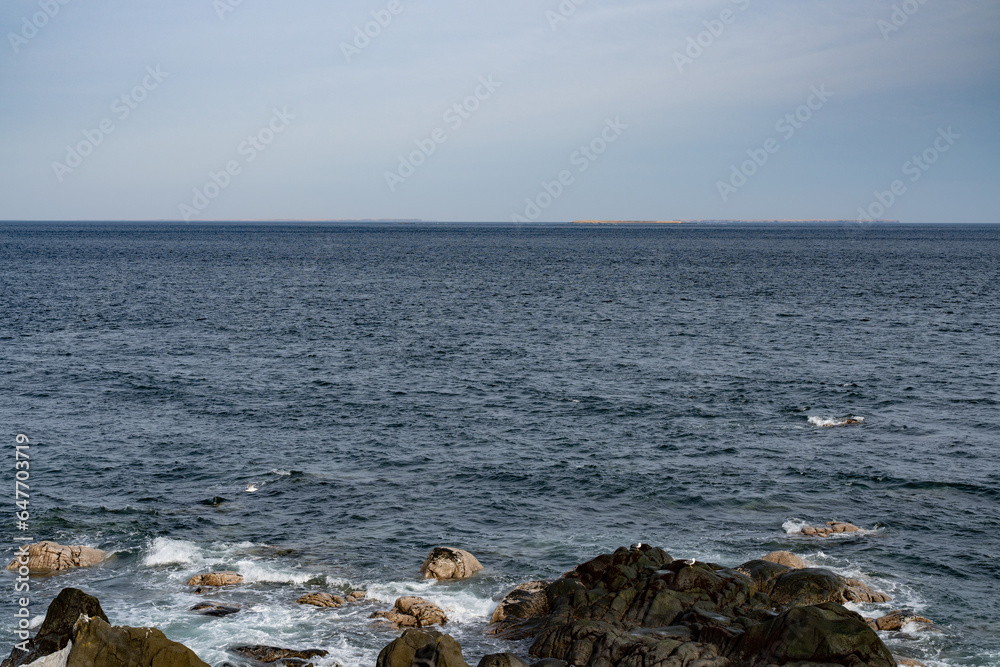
point(636, 607)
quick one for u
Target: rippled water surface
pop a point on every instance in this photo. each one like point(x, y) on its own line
point(537, 395)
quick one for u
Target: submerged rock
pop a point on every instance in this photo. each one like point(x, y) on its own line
point(422, 648)
point(216, 609)
point(286, 657)
point(449, 563)
point(56, 630)
point(216, 579)
point(51, 557)
point(641, 608)
point(413, 612)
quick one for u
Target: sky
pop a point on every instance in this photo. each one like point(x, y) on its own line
point(500, 110)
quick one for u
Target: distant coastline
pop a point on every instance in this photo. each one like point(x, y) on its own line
point(681, 222)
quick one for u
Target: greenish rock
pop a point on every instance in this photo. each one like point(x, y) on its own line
point(97, 644)
point(502, 660)
point(826, 633)
point(807, 587)
point(57, 628)
point(435, 648)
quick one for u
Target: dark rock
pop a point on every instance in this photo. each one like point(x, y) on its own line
point(641, 608)
point(519, 608)
point(215, 609)
point(826, 633)
point(286, 657)
point(434, 649)
point(57, 628)
point(502, 660)
point(98, 644)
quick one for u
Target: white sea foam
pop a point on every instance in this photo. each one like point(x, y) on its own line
point(280, 472)
point(794, 526)
point(828, 422)
point(255, 572)
point(462, 605)
point(167, 551)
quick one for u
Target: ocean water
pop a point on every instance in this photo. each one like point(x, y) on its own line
point(537, 395)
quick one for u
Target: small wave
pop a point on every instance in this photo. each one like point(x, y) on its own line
point(255, 572)
point(461, 605)
point(794, 526)
point(166, 551)
point(830, 422)
point(281, 473)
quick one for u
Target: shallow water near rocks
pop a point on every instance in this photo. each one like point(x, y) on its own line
point(536, 395)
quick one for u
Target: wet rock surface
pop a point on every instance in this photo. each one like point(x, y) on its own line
point(413, 612)
point(449, 563)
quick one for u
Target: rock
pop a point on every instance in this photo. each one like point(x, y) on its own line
point(97, 644)
point(216, 609)
point(827, 633)
point(449, 563)
point(216, 579)
point(895, 621)
point(859, 591)
point(356, 596)
point(908, 662)
point(413, 612)
point(502, 660)
point(322, 600)
point(282, 656)
point(57, 628)
point(519, 607)
point(641, 608)
point(552, 662)
point(786, 558)
point(831, 528)
point(51, 557)
point(434, 648)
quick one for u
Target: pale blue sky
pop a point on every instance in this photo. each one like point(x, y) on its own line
point(680, 131)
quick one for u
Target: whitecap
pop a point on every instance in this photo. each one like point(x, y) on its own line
point(462, 605)
point(829, 422)
point(255, 572)
point(167, 551)
point(794, 526)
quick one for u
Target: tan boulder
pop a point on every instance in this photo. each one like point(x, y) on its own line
point(787, 559)
point(831, 528)
point(51, 557)
point(413, 612)
point(323, 600)
point(895, 620)
point(422, 647)
point(859, 591)
point(449, 563)
point(909, 662)
point(215, 579)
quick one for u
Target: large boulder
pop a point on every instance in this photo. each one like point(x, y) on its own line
point(831, 528)
point(639, 607)
point(216, 579)
point(449, 563)
point(519, 608)
point(97, 644)
point(413, 612)
point(827, 634)
point(430, 646)
point(786, 558)
point(57, 628)
point(51, 557)
point(329, 600)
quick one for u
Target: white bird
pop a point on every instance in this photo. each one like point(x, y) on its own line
point(690, 561)
point(251, 488)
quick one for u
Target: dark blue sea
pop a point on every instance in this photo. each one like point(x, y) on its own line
point(317, 406)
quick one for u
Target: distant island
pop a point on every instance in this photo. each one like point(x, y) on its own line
point(681, 222)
